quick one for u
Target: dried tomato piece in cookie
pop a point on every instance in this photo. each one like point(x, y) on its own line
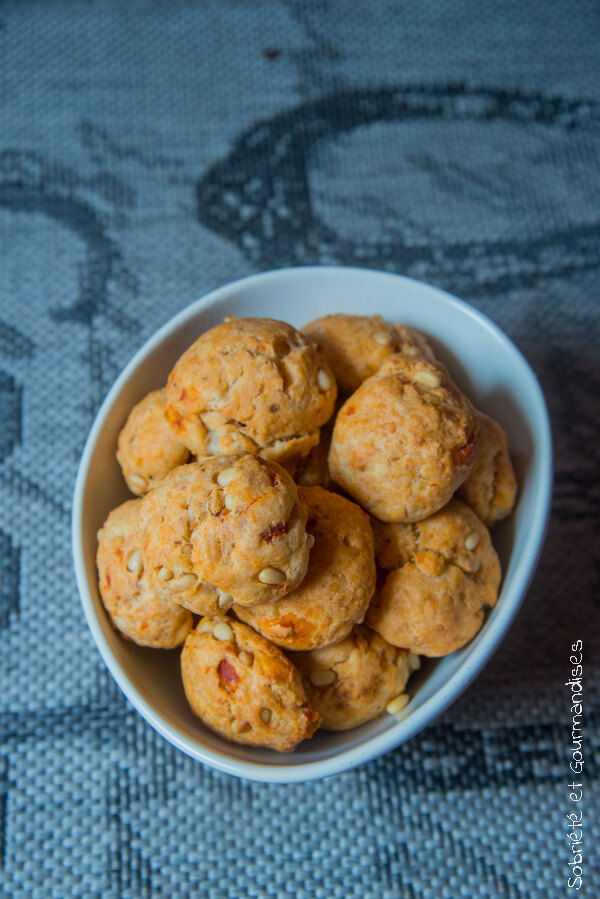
point(226, 529)
point(244, 688)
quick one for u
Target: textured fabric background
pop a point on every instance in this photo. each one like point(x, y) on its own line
point(151, 151)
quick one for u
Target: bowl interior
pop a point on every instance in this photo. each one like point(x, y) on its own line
point(483, 362)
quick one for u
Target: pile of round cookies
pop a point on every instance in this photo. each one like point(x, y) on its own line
point(311, 517)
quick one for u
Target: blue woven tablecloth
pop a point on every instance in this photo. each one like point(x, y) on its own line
point(151, 151)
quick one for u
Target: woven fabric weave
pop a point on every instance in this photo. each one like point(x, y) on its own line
point(151, 151)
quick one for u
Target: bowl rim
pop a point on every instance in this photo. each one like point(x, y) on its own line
point(489, 638)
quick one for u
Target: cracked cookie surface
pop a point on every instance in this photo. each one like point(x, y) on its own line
point(225, 529)
point(355, 680)
point(135, 609)
point(339, 582)
point(243, 687)
point(404, 441)
point(251, 384)
point(443, 573)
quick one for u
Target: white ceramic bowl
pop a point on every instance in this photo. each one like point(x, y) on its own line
point(484, 363)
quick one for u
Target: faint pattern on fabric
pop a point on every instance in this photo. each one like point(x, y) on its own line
point(259, 197)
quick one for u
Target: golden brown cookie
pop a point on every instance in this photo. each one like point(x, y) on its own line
point(243, 687)
point(166, 526)
point(355, 680)
point(339, 582)
point(134, 608)
point(356, 346)
point(491, 487)
point(251, 384)
point(404, 441)
point(444, 572)
point(148, 448)
point(228, 528)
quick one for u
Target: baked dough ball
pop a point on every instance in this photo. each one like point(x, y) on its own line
point(491, 487)
point(356, 346)
point(444, 572)
point(251, 384)
point(223, 529)
point(133, 606)
point(243, 687)
point(404, 441)
point(166, 526)
point(148, 448)
point(339, 582)
point(355, 680)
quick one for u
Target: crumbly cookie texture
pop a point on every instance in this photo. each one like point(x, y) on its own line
point(491, 487)
point(243, 687)
point(356, 346)
point(443, 573)
point(339, 582)
point(148, 448)
point(251, 384)
point(225, 529)
point(355, 680)
point(133, 606)
point(404, 441)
